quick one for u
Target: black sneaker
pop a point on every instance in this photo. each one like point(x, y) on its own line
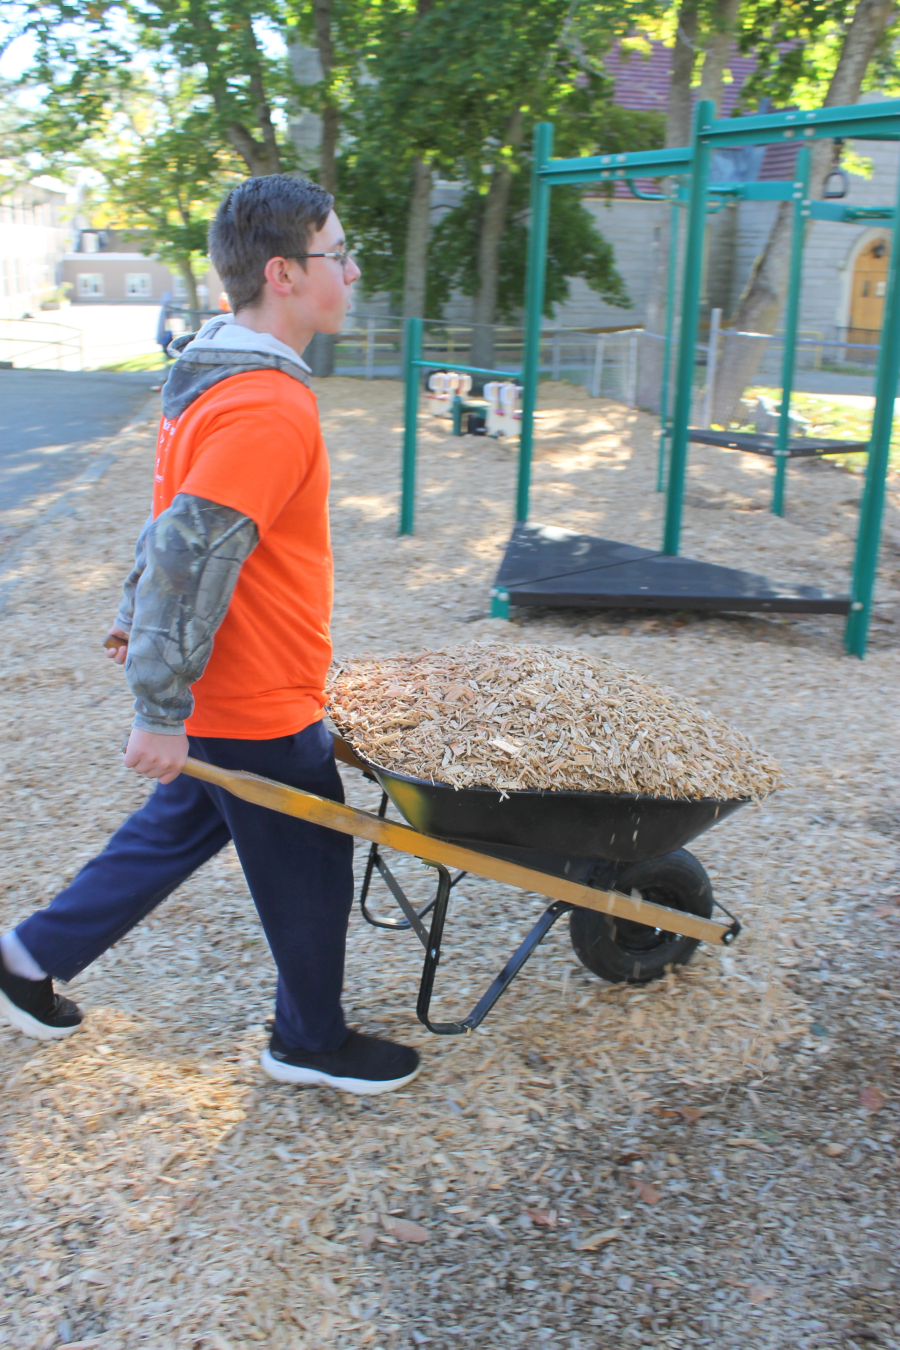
point(363, 1065)
point(32, 1006)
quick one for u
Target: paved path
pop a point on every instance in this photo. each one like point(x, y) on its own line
point(48, 418)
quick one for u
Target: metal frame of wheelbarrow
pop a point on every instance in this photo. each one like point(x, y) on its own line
point(437, 853)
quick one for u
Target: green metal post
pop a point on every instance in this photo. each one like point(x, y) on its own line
point(872, 507)
point(534, 306)
point(791, 319)
point(412, 352)
point(667, 357)
point(690, 317)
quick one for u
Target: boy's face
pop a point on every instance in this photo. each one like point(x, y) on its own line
point(325, 289)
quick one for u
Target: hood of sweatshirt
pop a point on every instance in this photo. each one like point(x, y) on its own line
point(220, 349)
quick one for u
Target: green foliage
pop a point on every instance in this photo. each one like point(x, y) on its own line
point(575, 248)
point(462, 88)
point(166, 187)
point(441, 80)
point(797, 45)
point(91, 53)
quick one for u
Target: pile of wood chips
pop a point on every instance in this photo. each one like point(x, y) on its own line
point(521, 717)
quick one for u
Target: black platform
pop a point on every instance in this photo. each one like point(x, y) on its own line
point(764, 443)
point(544, 565)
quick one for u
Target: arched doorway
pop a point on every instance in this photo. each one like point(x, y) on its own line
point(868, 292)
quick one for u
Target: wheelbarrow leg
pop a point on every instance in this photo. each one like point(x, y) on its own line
point(499, 985)
point(414, 916)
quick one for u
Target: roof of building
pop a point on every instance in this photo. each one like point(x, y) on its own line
point(642, 83)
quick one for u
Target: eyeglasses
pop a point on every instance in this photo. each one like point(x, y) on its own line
point(343, 258)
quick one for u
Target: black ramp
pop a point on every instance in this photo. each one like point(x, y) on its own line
point(764, 443)
point(544, 565)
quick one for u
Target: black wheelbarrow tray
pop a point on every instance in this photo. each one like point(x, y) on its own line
point(639, 902)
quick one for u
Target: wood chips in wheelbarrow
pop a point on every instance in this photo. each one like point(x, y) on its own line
point(517, 717)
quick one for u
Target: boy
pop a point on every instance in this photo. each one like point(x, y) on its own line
point(223, 631)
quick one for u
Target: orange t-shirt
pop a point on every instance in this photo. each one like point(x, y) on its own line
point(253, 442)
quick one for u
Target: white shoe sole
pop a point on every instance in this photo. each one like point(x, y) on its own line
point(361, 1087)
point(30, 1026)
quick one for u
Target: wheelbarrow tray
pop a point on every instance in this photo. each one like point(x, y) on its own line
point(571, 882)
point(619, 827)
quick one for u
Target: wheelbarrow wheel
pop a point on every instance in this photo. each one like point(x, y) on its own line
point(622, 951)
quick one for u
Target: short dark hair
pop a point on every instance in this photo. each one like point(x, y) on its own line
point(263, 218)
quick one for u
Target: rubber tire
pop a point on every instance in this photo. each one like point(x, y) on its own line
point(624, 952)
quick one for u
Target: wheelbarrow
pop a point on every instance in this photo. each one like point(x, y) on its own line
point(639, 902)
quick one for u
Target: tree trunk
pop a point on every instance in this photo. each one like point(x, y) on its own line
point(330, 112)
point(760, 305)
point(190, 283)
point(493, 225)
point(259, 159)
point(418, 226)
point(718, 47)
point(678, 132)
point(415, 258)
point(684, 56)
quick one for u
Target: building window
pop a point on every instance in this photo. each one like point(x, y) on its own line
point(180, 286)
point(90, 283)
point(139, 284)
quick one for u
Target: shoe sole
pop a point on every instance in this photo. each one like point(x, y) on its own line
point(360, 1087)
point(30, 1026)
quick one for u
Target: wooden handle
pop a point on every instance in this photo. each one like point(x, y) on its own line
point(114, 642)
point(363, 824)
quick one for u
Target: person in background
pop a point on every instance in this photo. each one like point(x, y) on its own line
point(163, 331)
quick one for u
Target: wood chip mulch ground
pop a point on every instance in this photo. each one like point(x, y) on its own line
point(708, 1161)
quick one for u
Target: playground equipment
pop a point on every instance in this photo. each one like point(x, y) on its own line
point(443, 387)
point(413, 363)
point(447, 396)
point(553, 567)
point(638, 906)
point(504, 417)
point(781, 446)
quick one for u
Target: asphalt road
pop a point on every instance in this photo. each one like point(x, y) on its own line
point(48, 418)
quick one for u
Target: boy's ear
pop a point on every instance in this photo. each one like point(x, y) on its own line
point(281, 273)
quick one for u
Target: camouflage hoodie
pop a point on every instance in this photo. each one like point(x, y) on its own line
point(187, 561)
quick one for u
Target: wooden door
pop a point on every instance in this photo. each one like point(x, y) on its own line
point(867, 298)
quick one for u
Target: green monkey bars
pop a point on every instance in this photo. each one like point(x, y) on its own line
point(877, 121)
point(795, 191)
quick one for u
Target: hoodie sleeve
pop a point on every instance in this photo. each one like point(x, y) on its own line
point(192, 556)
point(126, 604)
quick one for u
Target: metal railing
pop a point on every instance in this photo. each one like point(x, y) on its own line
point(37, 344)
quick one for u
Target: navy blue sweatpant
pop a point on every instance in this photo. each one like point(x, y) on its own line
point(300, 877)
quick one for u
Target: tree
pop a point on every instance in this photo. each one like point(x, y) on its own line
point(701, 33)
point(165, 189)
point(851, 45)
point(89, 53)
point(338, 33)
point(575, 248)
point(447, 99)
point(401, 129)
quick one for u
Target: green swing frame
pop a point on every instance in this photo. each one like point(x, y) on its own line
point(874, 121)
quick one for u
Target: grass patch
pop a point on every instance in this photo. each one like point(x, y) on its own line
point(839, 418)
point(149, 361)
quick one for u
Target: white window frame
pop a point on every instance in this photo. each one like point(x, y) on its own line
point(139, 285)
point(90, 284)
